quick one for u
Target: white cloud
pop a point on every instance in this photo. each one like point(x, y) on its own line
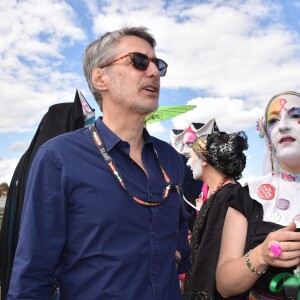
point(237, 49)
point(222, 48)
point(156, 128)
point(7, 167)
point(22, 107)
point(227, 112)
point(19, 147)
point(33, 34)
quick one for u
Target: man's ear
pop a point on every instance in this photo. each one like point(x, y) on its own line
point(204, 163)
point(98, 79)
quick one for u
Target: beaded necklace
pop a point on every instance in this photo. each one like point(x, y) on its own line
point(287, 176)
point(219, 186)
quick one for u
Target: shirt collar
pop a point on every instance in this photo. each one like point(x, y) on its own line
point(110, 139)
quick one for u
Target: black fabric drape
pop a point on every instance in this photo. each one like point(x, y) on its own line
point(60, 118)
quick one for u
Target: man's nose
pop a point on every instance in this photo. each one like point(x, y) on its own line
point(152, 70)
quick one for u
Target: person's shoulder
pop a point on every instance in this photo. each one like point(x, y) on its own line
point(62, 148)
point(231, 191)
point(66, 140)
point(234, 195)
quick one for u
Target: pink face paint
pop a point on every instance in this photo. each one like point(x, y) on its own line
point(282, 103)
point(189, 136)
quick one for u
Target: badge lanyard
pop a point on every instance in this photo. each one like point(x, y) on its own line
point(170, 187)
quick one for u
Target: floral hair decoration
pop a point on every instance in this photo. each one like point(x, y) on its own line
point(261, 127)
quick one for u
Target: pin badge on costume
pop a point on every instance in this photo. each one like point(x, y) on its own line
point(283, 204)
point(297, 220)
point(266, 191)
point(274, 216)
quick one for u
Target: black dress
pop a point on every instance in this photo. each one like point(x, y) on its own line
point(200, 281)
point(257, 232)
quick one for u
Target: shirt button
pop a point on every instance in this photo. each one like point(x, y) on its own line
point(153, 234)
point(150, 195)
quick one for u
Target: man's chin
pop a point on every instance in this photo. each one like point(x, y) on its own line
point(148, 109)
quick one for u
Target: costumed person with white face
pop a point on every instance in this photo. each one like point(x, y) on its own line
point(195, 191)
point(261, 235)
point(218, 160)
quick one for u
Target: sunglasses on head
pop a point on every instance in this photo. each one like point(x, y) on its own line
point(141, 62)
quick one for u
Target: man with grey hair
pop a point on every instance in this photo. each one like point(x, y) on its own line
point(103, 210)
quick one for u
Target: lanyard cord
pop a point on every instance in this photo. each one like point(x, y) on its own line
point(170, 187)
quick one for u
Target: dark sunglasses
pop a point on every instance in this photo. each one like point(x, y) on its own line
point(141, 62)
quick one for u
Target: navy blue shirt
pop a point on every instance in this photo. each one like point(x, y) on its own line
point(80, 226)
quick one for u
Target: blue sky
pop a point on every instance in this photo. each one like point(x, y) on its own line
point(227, 57)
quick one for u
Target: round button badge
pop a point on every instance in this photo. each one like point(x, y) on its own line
point(296, 219)
point(266, 191)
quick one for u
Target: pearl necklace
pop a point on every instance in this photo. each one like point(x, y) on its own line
point(287, 176)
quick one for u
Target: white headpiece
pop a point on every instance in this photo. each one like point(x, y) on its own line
point(177, 135)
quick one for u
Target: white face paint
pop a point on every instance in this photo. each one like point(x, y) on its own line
point(283, 126)
point(187, 148)
point(195, 163)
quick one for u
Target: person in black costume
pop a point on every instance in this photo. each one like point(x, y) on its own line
point(60, 118)
point(218, 160)
point(267, 242)
point(194, 191)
